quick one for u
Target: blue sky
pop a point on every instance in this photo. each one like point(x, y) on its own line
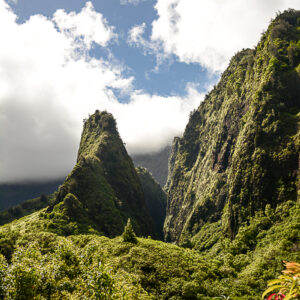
point(147, 62)
point(171, 77)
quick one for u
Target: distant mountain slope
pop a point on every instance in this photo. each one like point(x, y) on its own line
point(156, 163)
point(154, 196)
point(240, 149)
point(14, 193)
point(156, 199)
point(118, 175)
point(24, 208)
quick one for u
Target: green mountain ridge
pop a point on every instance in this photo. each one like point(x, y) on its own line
point(24, 208)
point(240, 149)
point(13, 194)
point(95, 180)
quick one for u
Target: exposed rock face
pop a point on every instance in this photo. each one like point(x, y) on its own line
point(240, 149)
point(105, 181)
point(171, 161)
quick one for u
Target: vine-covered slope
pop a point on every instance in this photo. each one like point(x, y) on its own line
point(240, 149)
point(103, 190)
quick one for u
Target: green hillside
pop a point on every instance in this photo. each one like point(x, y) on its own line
point(48, 266)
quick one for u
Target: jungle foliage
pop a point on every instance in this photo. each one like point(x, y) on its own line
point(59, 267)
point(103, 190)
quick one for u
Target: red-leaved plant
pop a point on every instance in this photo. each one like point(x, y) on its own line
point(288, 285)
point(276, 296)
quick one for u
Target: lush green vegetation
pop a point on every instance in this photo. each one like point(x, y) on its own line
point(45, 266)
point(148, 269)
point(103, 187)
point(240, 149)
point(129, 234)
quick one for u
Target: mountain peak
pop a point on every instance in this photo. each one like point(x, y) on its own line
point(96, 128)
point(105, 181)
point(103, 121)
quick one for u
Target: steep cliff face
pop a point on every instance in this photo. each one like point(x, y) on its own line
point(171, 161)
point(240, 149)
point(103, 189)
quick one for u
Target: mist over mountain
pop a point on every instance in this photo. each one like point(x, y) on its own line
point(15, 193)
point(156, 163)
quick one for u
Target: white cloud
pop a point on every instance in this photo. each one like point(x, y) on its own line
point(156, 119)
point(210, 32)
point(88, 26)
point(136, 39)
point(135, 34)
point(48, 88)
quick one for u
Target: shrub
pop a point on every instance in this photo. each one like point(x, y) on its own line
point(66, 272)
point(128, 234)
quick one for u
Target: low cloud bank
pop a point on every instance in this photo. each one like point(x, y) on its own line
point(49, 84)
point(210, 32)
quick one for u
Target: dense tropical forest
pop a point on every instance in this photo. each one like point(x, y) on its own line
point(226, 223)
